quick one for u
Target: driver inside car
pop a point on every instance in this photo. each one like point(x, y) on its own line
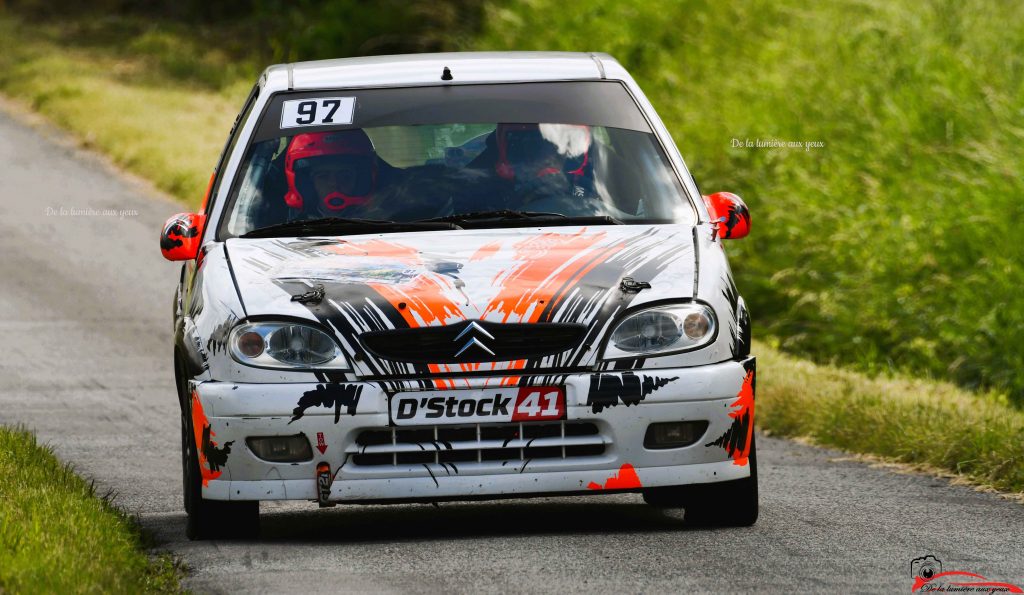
point(547, 163)
point(329, 173)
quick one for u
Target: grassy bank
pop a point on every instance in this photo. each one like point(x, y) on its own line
point(921, 422)
point(57, 536)
point(832, 225)
point(151, 100)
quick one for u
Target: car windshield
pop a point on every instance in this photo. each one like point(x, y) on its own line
point(559, 151)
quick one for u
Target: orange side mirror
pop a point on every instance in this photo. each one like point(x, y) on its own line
point(180, 237)
point(730, 213)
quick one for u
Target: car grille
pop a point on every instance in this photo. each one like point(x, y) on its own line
point(473, 341)
point(477, 443)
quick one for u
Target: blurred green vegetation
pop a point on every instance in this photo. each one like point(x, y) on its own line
point(890, 248)
point(266, 31)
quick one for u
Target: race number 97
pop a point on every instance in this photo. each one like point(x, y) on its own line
point(317, 111)
point(539, 403)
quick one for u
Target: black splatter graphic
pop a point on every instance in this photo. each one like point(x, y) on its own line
point(731, 295)
point(352, 309)
point(215, 457)
point(330, 377)
point(168, 243)
point(729, 291)
point(218, 340)
point(608, 390)
point(735, 439)
point(180, 227)
point(743, 341)
point(597, 296)
point(329, 395)
point(734, 216)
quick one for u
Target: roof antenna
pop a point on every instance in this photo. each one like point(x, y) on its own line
point(447, 74)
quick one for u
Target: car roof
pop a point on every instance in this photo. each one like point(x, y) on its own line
point(427, 69)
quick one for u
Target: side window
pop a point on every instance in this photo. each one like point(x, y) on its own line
point(229, 146)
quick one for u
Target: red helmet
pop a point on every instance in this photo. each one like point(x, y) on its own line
point(525, 142)
point(348, 149)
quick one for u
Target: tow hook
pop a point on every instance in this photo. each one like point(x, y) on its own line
point(323, 484)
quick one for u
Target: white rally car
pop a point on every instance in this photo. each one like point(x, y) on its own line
point(458, 276)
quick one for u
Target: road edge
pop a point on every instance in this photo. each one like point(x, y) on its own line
point(20, 111)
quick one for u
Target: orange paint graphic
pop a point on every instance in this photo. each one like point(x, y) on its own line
point(543, 271)
point(486, 251)
point(547, 265)
point(625, 479)
point(738, 437)
point(201, 426)
point(422, 301)
point(377, 248)
point(744, 413)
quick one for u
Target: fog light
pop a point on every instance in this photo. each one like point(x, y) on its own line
point(675, 434)
point(281, 449)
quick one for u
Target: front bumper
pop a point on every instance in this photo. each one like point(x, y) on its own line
point(721, 394)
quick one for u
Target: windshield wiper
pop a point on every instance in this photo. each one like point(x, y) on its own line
point(520, 218)
point(345, 226)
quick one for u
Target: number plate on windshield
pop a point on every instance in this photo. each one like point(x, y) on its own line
point(317, 111)
point(489, 405)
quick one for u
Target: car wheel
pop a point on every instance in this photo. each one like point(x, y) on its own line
point(211, 519)
point(724, 504)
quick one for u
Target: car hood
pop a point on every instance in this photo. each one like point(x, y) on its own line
point(421, 279)
point(499, 275)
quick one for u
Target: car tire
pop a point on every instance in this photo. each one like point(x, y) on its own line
point(724, 504)
point(211, 519)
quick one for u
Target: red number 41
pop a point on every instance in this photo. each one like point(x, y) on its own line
point(539, 403)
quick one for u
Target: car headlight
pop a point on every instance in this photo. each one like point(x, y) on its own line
point(285, 345)
point(661, 330)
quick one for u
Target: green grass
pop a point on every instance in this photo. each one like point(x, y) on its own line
point(889, 250)
point(57, 536)
point(894, 246)
point(922, 422)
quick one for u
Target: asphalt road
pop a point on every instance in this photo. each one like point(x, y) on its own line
point(85, 316)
